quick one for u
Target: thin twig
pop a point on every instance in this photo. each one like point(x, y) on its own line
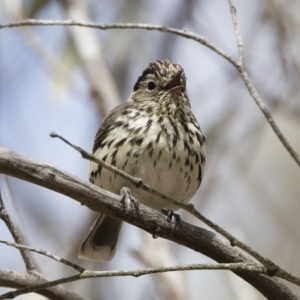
point(239, 64)
point(139, 183)
point(16, 209)
point(4, 215)
point(45, 253)
point(137, 273)
point(237, 32)
point(184, 33)
point(189, 35)
point(16, 280)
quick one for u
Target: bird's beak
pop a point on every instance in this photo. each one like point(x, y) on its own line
point(174, 84)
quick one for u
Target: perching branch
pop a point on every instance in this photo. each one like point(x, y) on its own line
point(186, 34)
point(185, 234)
point(139, 183)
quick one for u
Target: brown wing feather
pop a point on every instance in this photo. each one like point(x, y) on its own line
point(108, 124)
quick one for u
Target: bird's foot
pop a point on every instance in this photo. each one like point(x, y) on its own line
point(128, 200)
point(172, 218)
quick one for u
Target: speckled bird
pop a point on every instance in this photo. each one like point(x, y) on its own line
point(153, 136)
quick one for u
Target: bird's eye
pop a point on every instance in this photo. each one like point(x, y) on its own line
point(151, 85)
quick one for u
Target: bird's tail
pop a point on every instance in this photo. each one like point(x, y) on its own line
point(101, 242)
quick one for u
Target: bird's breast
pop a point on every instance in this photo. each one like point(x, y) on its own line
point(167, 153)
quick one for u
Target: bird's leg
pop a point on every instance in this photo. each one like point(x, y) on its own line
point(128, 200)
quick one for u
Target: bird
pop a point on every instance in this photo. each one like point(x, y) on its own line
point(153, 136)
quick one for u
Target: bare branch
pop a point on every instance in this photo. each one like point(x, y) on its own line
point(139, 183)
point(189, 35)
point(253, 91)
point(184, 33)
point(32, 277)
point(18, 280)
point(248, 267)
point(144, 217)
point(237, 32)
point(4, 215)
point(45, 253)
point(253, 268)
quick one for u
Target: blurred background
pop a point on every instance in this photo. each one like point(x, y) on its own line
point(65, 79)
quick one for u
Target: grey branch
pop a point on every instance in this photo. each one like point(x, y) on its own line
point(185, 234)
point(253, 268)
point(139, 183)
point(186, 34)
point(237, 32)
point(4, 215)
point(239, 64)
point(84, 274)
point(19, 280)
point(45, 253)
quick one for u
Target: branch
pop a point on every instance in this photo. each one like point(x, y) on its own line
point(32, 277)
point(239, 64)
point(4, 215)
point(19, 280)
point(184, 33)
point(145, 218)
point(189, 35)
point(45, 253)
point(237, 32)
point(139, 183)
point(253, 268)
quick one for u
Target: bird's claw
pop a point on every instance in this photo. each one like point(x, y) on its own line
point(128, 200)
point(171, 216)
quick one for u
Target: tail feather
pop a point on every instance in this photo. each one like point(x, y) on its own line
point(101, 242)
